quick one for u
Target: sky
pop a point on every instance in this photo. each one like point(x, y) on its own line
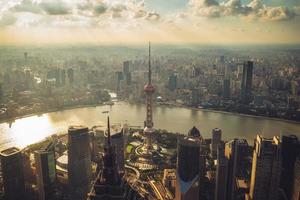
point(160, 21)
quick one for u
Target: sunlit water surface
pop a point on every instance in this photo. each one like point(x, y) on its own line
point(28, 130)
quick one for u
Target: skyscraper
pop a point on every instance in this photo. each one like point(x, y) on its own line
point(216, 140)
point(79, 161)
point(12, 174)
point(45, 173)
point(246, 82)
point(188, 173)
point(109, 185)
point(221, 175)
point(117, 140)
point(296, 180)
point(236, 152)
point(265, 174)
point(172, 85)
point(290, 149)
point(226, 88)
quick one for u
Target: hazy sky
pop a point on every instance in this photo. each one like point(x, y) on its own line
point(161, 21)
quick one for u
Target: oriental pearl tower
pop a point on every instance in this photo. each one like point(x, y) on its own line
point(149, 89)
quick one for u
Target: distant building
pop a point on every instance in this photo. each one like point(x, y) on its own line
point(172, 84)
point(296, 180)
point(247, 82)
point(117, 140)
point(189, 167)
point(215, 142)
point(79, 161)
point(226, 88)
point(45, 173)
point(266, 164)
point(126, 67)
point(290, 149)
point(12, 174)
point(236, 152)
point(194, 132)
point(221, 175)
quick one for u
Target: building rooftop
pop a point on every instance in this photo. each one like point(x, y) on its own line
point(9, 151)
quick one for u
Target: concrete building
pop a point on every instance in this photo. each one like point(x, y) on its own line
point(265, 174)
point(117, 140)
point(188, 173)
point(236, 153)
point(12, 174)
point(290, 149)
point(215, 142)
point(45, 173)
point(296, 181)
point(169, 179)
point(246, 82)
point(221, 175)
point(79, 161)
point(226, 88)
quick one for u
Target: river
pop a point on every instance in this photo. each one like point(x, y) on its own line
point(28, 130)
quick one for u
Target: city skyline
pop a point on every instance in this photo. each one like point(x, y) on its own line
point(134, 22)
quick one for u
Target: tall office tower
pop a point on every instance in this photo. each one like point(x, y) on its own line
point(221, 175)
point(63, 76)
point(172, 84)
point(296, 181)
point(266, 164)
point(109, 185)
point(79, 161)
point(45, 173)
point(126, 67)
point(148, 131)
point(189, 165)
point(12, 174)
point(194, 132)
point(70, 74)
point(290, 149)
point(246, 82)
point(226, 88)
point(215, 141)
point(236, 152)
point(117, 140)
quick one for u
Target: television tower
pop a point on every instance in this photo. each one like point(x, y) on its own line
point(149, 90)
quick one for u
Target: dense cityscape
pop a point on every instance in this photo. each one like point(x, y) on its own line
point(149, 100)
point(120, 161)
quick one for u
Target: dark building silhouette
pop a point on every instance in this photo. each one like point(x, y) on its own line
point(126, 67)
point(290, 149)
point(226, 88)
point(109, 185)
point(194, 132)
point(266, 166)
point(70, 74)
point(215, 141)
point(12, 174)
point(246, 82)
point(79, 161)
point(190, 165)
point(45, 173)
point(221, 175)
point(236, 152)
point(172, 84)
point(296, 180)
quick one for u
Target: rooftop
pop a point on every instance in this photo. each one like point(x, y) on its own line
point(10, 151)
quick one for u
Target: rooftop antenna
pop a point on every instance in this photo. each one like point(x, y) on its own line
point(149, 79)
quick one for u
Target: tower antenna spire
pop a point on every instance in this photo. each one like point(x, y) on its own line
point(108, 132)
point(149, 63)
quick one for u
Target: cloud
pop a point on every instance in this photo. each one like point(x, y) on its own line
point(7, 19)
point(56, 7)
point(254, 10)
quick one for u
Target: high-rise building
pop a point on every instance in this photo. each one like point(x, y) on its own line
point(45, 173)
point(266, 165)
point(126, 67)
point(236, 152)
point(188, 172)
point(221, 175)
point(226, 88)
point(290, 149)
point(12, 174)
point(247, 82)
point(79, 161)
point(215, 142)
point(296, 181)
point(117, 140)
point(172, 85)
point(109, 185)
